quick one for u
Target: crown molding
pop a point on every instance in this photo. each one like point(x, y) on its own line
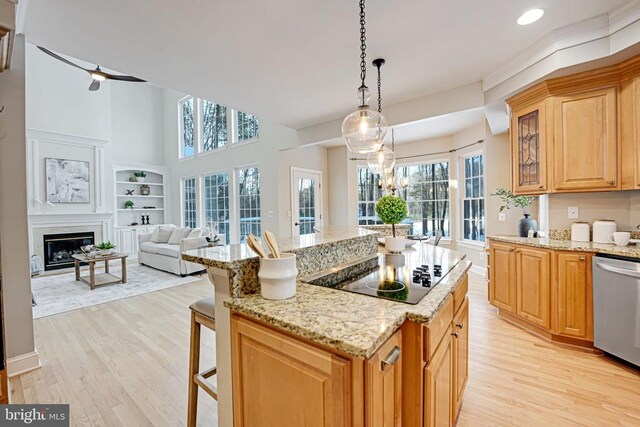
point(597, 29)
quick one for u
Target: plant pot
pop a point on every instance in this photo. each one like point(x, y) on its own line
point(141, 178)
point(278, 277)
point(105, 252)
point(394, 244)
point(525, 224)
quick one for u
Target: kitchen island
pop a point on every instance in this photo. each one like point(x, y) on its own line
point(330, 357)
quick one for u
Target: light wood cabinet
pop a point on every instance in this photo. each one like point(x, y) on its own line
point(574, 312)
point(553, 291)
point(383, 379)
point(438, 386)
point(586, 141)
point(533, 285)
point(630, 133)
point(460, 345)
point(502, 276)
point(279, 380)
point(529, 149)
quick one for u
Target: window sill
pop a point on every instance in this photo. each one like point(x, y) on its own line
point(214, 151)
point(245, 142)
point(479, 246)
point(184, 159)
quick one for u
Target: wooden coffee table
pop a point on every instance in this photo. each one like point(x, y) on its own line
point(105, 278)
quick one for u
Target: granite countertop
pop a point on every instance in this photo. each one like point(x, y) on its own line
point(231, 256)
point(632, 251)
point(350, 323)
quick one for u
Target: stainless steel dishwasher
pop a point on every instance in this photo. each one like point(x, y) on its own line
point(616, 306)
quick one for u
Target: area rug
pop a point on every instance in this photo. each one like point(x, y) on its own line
point(60, 293)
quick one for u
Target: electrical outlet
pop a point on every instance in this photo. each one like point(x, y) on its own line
point(573, 212)
point(483, 255)
point(502, 216)
point(270, 214)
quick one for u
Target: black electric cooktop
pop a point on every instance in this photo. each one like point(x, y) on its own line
point(406, 277)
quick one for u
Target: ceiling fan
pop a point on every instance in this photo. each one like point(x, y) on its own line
point(97, 74)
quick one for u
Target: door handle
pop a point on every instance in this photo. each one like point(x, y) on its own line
point(391, 358)
point(623, 271)
point(460, 325)
point(296, 223)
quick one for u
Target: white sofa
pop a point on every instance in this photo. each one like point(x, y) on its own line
point(167, 257)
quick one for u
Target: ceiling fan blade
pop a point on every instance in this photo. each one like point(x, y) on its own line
point(95, 85)
point(123, 78)
point(60, 58)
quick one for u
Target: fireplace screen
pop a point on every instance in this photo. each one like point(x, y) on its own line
point(59, 248)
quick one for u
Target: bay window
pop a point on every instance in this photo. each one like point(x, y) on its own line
point(473, 209)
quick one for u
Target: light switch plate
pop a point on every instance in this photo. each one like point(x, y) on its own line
point(502, 216)
point(573, 212)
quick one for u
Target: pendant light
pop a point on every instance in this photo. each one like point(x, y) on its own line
point(364, 129)
point(382, 161)
point(388, 182)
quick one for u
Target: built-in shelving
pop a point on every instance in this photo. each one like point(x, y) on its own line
point(155, 180)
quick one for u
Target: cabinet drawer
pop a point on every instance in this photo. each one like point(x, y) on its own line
point(460, 293)
point(438, 327)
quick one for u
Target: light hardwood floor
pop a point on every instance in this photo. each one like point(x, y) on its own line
point(125, 363)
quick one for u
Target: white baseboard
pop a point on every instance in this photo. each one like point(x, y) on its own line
point(23, 363)
point(479, 270)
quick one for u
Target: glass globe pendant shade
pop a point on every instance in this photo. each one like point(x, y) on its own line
point(364, 130)
point(381, 161)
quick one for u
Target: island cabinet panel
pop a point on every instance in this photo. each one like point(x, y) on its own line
point(529, 148)
point(502, 280)
point(586, 141)
point(383, 385)
point(460, 345)
point(282, 381)
point(438, 386)
point(533, 285)
point(574, 312)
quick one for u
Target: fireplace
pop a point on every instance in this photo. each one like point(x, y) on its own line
point(59, 248)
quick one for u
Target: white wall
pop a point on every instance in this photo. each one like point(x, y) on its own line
point(16, 283)
point(137, 129)
point(264, 153)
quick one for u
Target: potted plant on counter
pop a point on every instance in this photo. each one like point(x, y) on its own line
point(106, 248)
point(392, 210)
point(511, 200)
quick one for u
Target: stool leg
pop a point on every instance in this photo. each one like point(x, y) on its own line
point(194, 366)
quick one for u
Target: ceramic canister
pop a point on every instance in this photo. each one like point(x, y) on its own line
point(602, 229)
point(278, 276)
point(580, 232)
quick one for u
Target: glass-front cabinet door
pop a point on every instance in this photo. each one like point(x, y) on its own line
point(529, 149)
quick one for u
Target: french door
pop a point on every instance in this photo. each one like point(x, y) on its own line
point(306, 200)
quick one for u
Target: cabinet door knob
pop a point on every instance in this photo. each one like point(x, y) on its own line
point(391, 358)
point(582, 258)
point(460, 325)
point(455, 334)
point(612, 183)
point(541, 186)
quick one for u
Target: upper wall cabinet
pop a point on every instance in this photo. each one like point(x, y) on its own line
point(585, 154)
point(529, 149)
point(578, 133)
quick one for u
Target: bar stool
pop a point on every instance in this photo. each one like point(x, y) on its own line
point(202, 314)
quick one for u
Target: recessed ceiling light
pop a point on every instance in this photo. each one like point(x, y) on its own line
point(530, 16)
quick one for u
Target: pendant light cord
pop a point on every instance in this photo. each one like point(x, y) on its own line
point(379, 90)
point(363, 50)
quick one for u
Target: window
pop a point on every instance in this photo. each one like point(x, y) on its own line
point(216, 203)
point(473, 220)
point(368, 195)
point(246, 126)
point(187, 127)
point(189, 202)
point(249, 201)
point(427, 196)
point(214, 125)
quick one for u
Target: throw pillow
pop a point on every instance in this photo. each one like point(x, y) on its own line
point(178, 234)
point(196, 232)
point(162, 234)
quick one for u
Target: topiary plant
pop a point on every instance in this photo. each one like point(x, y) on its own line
point(128, 204)
point(391, 210)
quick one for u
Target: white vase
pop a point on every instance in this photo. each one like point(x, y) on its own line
point(278, 276)
point(105, 252)
point(141, 178)
point(394, 244)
